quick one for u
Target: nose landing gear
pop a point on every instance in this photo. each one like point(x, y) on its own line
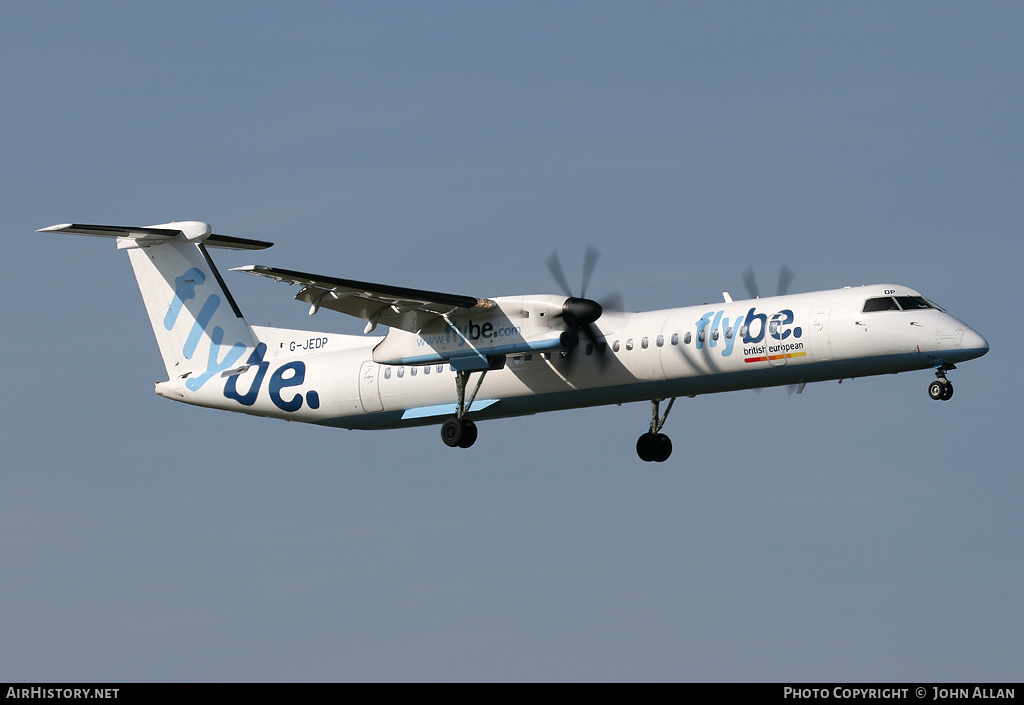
point(655, 446)
point(941, 389)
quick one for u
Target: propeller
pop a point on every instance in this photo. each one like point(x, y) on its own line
point(578, 312)
point(785, 279)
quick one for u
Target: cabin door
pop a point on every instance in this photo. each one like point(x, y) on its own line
point(817, 331)
point(369, 392)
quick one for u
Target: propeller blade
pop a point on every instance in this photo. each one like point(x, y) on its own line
point(785, 279)
point(751, 283)
point(613, 303)
point(555, 267)
point(600, 347)
point(590, 257)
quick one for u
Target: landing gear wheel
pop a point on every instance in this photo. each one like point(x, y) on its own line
point(458, 433)
point(451, 432)
point(941, 388)
point(654, 447)
point(468, 434)
point(645, 447)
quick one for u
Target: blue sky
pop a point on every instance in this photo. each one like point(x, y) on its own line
point(855, 532)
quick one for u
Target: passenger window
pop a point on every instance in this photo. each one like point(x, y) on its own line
point(440, 369)
point(426, 370)
point(701, 337)
point(412, 371)
point(661, 341)
point(687, 338)
point(675, 339)
point(743, 331)
point(629, 344)
point(387, 373)
point(401, 372)
point(644, 342)
point(882, 303)
point(590, 349)
point(615, 346)
point(715, 334)
point(728, 333)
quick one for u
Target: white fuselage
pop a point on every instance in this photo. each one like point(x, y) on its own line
point(334, 380)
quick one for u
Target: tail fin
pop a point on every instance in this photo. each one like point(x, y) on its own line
point(198, 326)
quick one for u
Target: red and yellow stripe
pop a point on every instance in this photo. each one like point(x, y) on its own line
point(780, 356)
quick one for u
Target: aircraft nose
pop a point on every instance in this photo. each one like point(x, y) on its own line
point(973, 341)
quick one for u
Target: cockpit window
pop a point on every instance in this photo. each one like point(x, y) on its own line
point(898, 303)
point(911, 303)
point(882, 303)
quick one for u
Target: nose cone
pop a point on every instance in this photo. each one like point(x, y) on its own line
point(973, 343)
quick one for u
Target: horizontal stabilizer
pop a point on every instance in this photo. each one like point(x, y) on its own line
point(162, 233)
point(227, 242)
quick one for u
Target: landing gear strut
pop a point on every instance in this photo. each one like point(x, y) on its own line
point(655, 446)
point(458, 431)
point(941, 389)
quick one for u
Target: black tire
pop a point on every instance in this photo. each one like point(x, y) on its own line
point(452, 432)
point(947, 393)
point(647, 447)
point(469, 434)
point(663, 447)
point(937, 389)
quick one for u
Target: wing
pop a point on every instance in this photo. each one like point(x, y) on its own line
point(394, 306)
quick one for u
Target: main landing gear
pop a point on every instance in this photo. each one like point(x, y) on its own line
point(458, 431)
point(941, 389)
point(655, 446)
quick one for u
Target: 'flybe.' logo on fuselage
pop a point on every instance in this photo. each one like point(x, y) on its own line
point(762, 336)
point(290, 374)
